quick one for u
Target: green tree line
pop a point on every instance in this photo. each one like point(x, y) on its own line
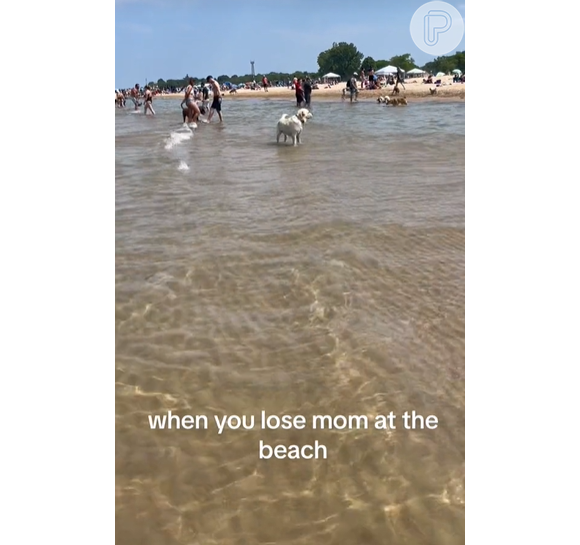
point(343, 59)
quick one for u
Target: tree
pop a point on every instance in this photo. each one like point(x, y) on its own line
point(446, 64)
point(342, 58)
point(161, 83)
point(460, 60)
point(223, 78)
point(368, 64)
point(404, 62)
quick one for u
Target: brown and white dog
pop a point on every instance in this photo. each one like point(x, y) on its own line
point(291, 126)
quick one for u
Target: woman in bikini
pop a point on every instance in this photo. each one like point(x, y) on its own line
point(189, 101)
point(148, 101)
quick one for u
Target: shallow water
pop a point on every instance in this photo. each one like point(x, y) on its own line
point(326, 278)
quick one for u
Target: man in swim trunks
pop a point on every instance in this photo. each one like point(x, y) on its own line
point(189, 101)
point(307, 86)
point(216, 105)
point(135, 96)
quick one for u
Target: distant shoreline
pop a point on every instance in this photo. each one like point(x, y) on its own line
point(413, 91)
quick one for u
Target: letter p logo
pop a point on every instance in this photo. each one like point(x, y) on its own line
point(436, 22)
point(437, 28)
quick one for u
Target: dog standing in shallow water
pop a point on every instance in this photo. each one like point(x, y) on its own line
point(393, 101)
point(291, 126)
point(202, 111)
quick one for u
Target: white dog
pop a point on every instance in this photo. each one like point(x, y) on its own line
point(291, 126)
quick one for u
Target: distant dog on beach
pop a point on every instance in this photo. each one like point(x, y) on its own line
point(291, 126)
point(433, 90)
point(233, 91)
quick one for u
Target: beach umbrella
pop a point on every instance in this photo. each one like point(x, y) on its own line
point(386, 70)
point(457, 71)
point(440, 74)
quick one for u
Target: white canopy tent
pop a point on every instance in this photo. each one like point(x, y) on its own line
point(386, 70)
point(416, 71)
point(331, 75)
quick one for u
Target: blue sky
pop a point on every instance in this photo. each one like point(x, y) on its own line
point(171, 38)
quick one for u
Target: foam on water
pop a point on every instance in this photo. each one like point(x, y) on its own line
point(177, 137)
point(182, 166)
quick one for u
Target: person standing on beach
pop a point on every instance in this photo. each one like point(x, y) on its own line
point(148, 101)
point(135, 96)
point(400, 78)
point(189, 101)
point(216, 105)
point(307, 92)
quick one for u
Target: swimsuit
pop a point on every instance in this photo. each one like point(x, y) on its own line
point(190, 98)
point(217, 104)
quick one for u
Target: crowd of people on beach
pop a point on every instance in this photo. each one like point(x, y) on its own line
point(195, 101)
point(138, 97)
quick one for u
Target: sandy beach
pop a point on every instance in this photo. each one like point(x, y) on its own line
point(414, 90)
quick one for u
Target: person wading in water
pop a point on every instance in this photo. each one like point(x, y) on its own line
point(216, 105)
point(189, 101)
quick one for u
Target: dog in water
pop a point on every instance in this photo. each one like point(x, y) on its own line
point(202, 111)
point(396, 101)
point(292, 126)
